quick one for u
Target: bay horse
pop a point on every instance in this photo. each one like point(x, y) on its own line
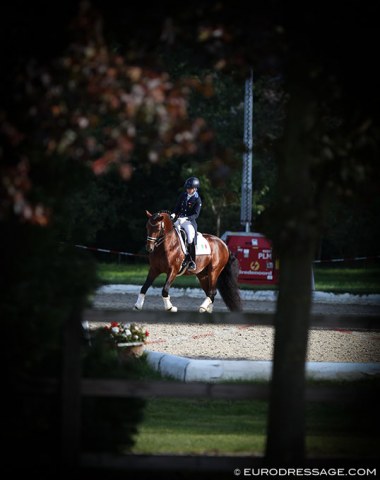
point(217, 270)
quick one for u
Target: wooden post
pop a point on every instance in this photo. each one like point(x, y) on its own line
point(295, 240)
point(71, 391)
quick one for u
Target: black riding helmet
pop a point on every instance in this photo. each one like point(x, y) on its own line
point(192, 182)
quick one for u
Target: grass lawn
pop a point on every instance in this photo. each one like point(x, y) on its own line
point(338, 279)
point(341, 279)
point(113, 273)
point(228, 427)
point(239, 426)
point(200, 426)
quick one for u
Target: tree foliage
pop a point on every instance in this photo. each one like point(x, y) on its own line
point(101, 101)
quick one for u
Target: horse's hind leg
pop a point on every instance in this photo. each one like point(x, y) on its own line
point(152, 275)
point(208, 303)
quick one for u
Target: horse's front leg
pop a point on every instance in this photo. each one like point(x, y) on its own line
point(152, 275)
point(169, 307)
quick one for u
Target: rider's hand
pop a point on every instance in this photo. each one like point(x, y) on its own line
point(172, 215)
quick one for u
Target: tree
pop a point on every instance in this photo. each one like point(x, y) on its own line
point(329, 147)
point(296, 246)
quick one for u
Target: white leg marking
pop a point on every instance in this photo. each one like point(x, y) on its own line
point(140, 302)
point(205, 305)
point(169, 307)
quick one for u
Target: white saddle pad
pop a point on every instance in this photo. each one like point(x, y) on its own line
point(202, 247)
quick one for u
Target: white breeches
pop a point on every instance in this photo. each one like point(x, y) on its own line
point(188, 227)
point(190, 231)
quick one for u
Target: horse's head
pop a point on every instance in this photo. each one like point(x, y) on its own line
point(156, 226)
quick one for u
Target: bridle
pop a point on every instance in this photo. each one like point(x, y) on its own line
point(157, 240)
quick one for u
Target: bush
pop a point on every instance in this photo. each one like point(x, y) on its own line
point(110, 424)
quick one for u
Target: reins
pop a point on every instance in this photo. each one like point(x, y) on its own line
point(161, 235)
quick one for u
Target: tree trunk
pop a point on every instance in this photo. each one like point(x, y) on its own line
point(286, 428)
point(295, 241)
point(71, 391)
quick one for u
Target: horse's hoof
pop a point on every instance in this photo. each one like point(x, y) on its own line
point(206, 310)
point(136, 308)
point(172, 309)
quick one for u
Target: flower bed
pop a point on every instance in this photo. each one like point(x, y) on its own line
point(129, 339)
point(122, 333)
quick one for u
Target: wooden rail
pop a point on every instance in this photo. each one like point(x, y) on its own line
point(353, 322)
point(102, 387)
point(212, 464)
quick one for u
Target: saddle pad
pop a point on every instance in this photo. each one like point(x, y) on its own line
point(202, 247)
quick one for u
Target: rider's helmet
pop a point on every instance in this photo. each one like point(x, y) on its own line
point(192, 182)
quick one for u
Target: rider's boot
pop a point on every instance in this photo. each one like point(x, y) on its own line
point(192, 264)
point(186, 260)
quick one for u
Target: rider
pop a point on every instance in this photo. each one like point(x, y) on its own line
point(186, 212)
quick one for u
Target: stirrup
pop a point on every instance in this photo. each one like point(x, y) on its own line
point(192, 265)
point(186, 260)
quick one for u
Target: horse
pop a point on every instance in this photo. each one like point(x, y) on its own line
point(216, 270)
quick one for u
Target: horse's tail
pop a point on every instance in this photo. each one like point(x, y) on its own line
point(228, 286)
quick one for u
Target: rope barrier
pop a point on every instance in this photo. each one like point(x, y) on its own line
point(331, 260)
point(103, 250)
point(351, 259)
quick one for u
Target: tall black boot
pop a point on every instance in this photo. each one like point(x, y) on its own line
point(187, 258)
point(192, 264)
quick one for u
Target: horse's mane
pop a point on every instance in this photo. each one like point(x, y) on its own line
point(155, 215)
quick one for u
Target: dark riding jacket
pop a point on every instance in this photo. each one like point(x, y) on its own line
point(189, 208)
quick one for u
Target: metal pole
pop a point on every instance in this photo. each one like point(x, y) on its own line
point(246, 185)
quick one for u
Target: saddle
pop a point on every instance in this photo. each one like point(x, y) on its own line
point(202, 246)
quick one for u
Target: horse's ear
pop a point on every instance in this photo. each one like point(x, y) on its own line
point(148, 214)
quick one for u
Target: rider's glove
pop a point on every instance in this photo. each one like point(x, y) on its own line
point(172, 215)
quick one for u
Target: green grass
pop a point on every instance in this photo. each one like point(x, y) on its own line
point(239, 427)
point(228, 427)
point(110, 273)
point(359, 280)
point(337, 279)
point(200, 426)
